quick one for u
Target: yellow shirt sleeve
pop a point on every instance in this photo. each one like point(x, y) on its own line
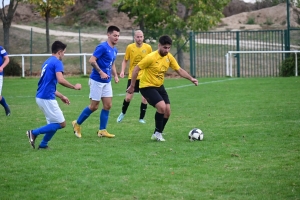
point(155, 67)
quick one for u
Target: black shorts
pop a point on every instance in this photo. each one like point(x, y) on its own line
point(155, 94)
point(136, 87)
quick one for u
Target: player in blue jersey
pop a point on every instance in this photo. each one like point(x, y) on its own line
point(51, 74)
point(103, 63)
point(4, 60)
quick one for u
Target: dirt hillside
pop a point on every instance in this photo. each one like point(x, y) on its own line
point(267, 18)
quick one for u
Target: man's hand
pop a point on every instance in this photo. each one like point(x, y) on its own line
point(195, 81)
point(116, 79)
point(77, 86)
point(130, 89)
point(65, 100)
point(103, 75)
point(122, 74)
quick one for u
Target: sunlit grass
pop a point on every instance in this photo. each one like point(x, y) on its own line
point(250, 148)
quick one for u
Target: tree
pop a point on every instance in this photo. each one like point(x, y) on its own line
point(7, 18)
point(51, 8)
point(138, 9)
point(174, 17)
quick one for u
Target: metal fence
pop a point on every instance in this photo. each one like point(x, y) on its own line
point(206, 56)
point(208, 52)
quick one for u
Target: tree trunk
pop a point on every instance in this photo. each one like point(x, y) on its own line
point(180, 56)
point(47, 16)
point(142, 25)
point(6, 26)
point(6, 19)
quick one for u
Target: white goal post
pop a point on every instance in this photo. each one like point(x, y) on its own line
point(48, 55)
point(230, 54)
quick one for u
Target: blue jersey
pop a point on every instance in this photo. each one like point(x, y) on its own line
point(106, 56)
point(2, 54)
point(48, 81)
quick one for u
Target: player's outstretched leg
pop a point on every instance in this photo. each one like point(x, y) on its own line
point(120, 118)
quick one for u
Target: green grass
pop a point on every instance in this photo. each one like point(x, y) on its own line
point(250, 149)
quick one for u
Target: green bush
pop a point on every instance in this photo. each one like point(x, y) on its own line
point(250, 20)
point(287, 67)
point(13, 68)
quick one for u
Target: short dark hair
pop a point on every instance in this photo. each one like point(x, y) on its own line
point(165, 39)
point(111, 29)
point(57, 46)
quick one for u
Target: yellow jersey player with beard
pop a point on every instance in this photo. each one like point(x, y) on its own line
point(155, 65)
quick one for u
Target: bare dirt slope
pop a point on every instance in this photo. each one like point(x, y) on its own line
point(272, 17)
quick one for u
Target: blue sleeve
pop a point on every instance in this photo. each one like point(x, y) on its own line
point(99, 51)
point(59, 67)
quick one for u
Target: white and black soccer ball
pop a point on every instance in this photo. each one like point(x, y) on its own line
point(196, 134)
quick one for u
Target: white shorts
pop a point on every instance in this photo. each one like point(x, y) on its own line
point(99, 90)
point(51, 110)
point(1, 83)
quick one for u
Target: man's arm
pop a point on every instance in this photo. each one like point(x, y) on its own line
point(124, 64)
point(62, 97)
point(93, 62)
point(5, 63)
point(135, 73)
point(181, 72)
point(61, 80)
point(114, 72)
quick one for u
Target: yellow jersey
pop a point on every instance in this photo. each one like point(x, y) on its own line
point(155, 66)
point(135, 55)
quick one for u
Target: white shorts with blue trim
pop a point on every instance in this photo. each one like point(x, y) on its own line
point(99, 90)
point(51, 110)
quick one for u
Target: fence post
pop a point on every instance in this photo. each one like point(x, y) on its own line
point(84, 60)
point(79, 38)
point(192, 54)
point(227, 71)
point(238, 55)
point(23, 67)
point(296, 64)
point(31, 52)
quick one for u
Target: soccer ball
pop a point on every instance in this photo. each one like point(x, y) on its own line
point(196, 134)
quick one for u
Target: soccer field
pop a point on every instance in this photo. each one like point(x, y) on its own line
point(250, 149)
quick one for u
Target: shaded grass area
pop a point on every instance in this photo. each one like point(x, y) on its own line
point(250, 148)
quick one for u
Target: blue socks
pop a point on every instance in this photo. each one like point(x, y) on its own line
point(84, 115)
point(3, 102)
point(87, 112)
point(49, 130)
point(103, 119)
point(46, 139)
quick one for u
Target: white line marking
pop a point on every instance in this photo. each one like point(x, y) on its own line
point(182, 86)
point(170, 88)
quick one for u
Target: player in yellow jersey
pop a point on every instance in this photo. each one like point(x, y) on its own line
point(155, 65)
point(135, 52)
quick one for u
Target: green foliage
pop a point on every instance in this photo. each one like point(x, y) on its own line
point(103, 15)
point(287, 67)
point(51, 8)
point(169, 17)
point(250, 20)
point(269, 21)
point(13, 68)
